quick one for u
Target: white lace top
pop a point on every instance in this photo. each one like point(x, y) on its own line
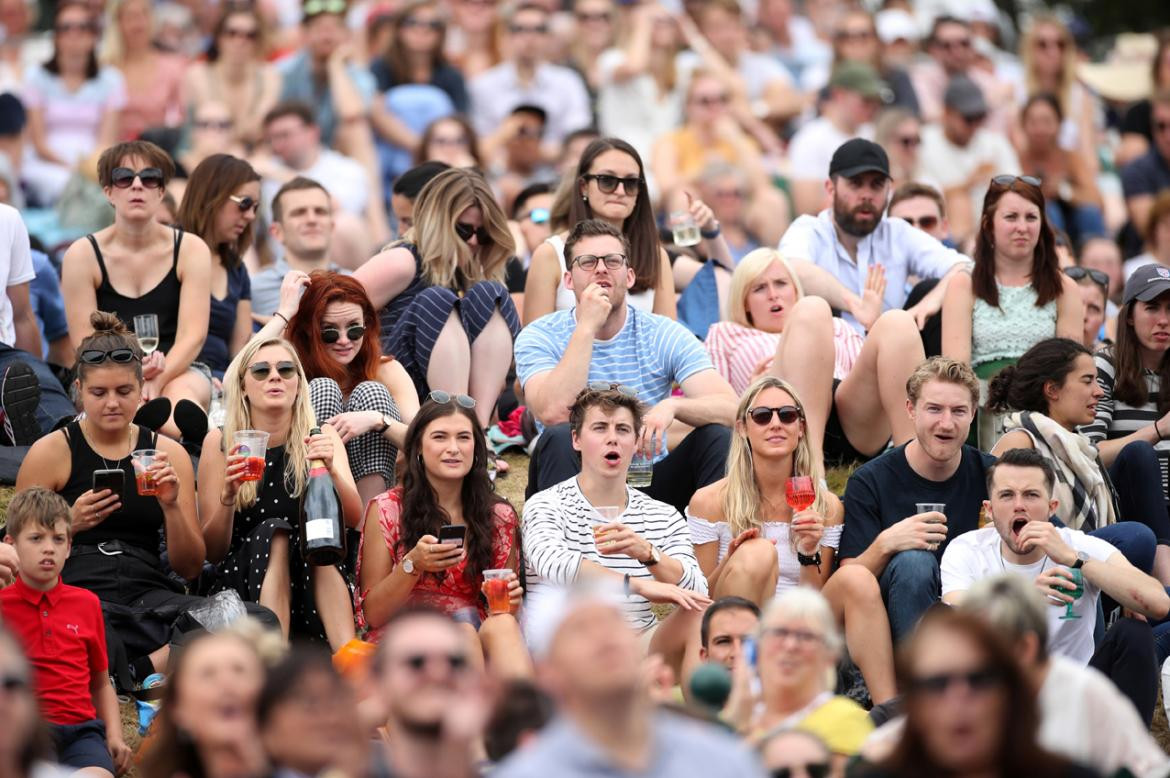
point(703, 531)
point(1011, 329)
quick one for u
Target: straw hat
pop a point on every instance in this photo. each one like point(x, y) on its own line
point(1125, 76)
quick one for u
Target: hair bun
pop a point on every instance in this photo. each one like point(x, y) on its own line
point(999, 388)
point(106, 322)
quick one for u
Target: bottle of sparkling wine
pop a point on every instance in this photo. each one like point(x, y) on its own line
point(322, 533)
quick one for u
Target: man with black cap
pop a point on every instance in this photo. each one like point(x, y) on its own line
point(961, 155)
point(835, 251)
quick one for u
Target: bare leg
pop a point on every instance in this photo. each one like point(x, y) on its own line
point(805, 358)
point(1162, 564)
point(751, 573)
point(276, 590)
point(450, 358)
point(92, 772)
point(856, 599)
point(160, 657)
point(871, 400)
point(507, 654)
point(474, 647)
point(491, 356)
point(370, 486)
point(333, 605)
point(192, 386)
point(677, 640)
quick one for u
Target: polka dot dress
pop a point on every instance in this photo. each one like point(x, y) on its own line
point(252, 532)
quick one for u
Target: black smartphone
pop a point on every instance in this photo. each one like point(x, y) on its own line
point(114, 480)
point(453, 533)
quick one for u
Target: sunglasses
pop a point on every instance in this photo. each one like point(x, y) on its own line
point(975, 680)
point(609, 184)
point(452, 662)
point(123, 177)
point(429, 24)
point(812, 769)
point(535, 29)
point(261, 370)
point(314, 7)
point(67, 27)
point(788, 414)
point(13, 683)
point(594, 17)
point(712, 101)
point(922, 223)
point(245, 203)
point(536, 216)
point(610, 386)
point(223, 125)
point(854, 35)
point(122, 356)
point(588, 262)
point(960, 43)
point(465, 231)
point(442, 398)
point(236, 32)
point(1096, 276)
point(910, 141)
point(333, 334)
point(1010, 181)
point(801, 636)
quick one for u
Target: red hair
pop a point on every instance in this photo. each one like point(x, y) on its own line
point(304, 330)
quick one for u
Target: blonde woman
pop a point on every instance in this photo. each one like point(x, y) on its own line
point(252, 528)
point(750, 543)
point(444, 312)
point(154, 79)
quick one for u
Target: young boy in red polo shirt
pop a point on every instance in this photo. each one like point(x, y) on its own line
point(63, 635)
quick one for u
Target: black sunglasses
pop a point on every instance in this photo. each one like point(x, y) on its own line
point(465, 231)
point(924, 222)
point(910, 141)
point(261, 370)
point(1096, 276)
point(442, 398)
point(789, 414)
point(813, 769)
point(1010, 180)
point(123, 177)
point(431, 24)
point(976, 680)
point(454, 662)
point(223, 125)
point(13, 683)
point(123, 356)
point(588, 262)
point(245, 203)
point(333, 334)
point(609, 184)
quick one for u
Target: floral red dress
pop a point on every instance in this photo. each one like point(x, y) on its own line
point(449, 591)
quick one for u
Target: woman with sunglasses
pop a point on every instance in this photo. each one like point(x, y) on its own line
point(445, 313)
point(117, 531)
point(73, 104)
point(1093, 286)
point(154, 78)
point(138, 267)
point(751, 543)
point(402, 560)
point(611, 185)
point(252, 528)
point(1016, 296)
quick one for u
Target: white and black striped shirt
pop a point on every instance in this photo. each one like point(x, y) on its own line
point(557, 534)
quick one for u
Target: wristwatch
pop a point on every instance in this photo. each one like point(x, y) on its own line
point(1082, 557)
point(385, 423)
point(655, 557)
point(408, 566)
point(809, 561)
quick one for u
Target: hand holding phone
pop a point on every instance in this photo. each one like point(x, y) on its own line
point(455, 534)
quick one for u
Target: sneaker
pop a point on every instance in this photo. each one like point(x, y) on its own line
point(20, 394)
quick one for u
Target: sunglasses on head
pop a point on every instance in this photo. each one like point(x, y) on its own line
point(609, 184)
point(922, 222)
point(1098, 277)
point(442, 398)
point(975, 680)
point(788, 414)
point(123, 177)
point(812, 769)
point(588, 262)
point(261, 370)
point(610, 386)
point(122, 356)
point(1010, 180)
point(453, 662)
point(333, 334)
point(466, 231)
point(245, 203)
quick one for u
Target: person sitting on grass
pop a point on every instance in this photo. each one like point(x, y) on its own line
point(63, 635)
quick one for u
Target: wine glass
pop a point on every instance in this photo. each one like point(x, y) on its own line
point(146, 328)
point(799, 492)
point(1078, 579)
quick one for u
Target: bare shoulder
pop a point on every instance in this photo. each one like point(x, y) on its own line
point(835, 514)
point(707, 502)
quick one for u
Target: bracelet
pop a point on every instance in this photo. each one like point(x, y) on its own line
point(282, 317)
point(711, 234)
point(626, 584)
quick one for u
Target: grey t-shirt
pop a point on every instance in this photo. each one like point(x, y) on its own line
point(266, 286)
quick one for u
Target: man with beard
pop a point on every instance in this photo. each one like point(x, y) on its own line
point(1061, 562)
point(835, 251)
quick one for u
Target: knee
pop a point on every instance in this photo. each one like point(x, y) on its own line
point(913, 568)
point(757, 557)
point(1133, 637)
point(858, 582)
point(1139, 452)
point(278, 550)
point(895, 323)
point(372, 395)
point(325, 389)
point(811, 311)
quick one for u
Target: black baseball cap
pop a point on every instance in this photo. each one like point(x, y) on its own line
point(857, 156)
point(1146, 283)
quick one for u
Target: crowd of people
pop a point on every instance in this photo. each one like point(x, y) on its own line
point(689, 262)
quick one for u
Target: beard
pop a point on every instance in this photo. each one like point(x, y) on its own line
point(848, 220)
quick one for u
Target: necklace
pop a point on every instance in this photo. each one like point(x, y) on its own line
point(1003, 565)
point(89, 440)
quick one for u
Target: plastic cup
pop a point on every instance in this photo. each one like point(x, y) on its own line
point(252, 445)
point(353, 659)
point(641, 472)
point(495, 588)
point(602, 516)
point(142, 459)
point(684, 229)
point(927, 507)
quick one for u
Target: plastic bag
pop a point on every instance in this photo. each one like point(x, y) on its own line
point(220, 611)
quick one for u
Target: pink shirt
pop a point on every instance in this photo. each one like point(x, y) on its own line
point(737, 350)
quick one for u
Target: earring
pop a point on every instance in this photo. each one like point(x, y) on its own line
point(584, 198)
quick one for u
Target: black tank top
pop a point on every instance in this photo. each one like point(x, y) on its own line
point(163, 300)
point(139, 520)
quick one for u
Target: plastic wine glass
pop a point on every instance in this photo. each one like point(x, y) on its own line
point(799, 492)
point(1078, 578)
point(146, 328)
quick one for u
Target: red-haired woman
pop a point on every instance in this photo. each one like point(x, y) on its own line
point(368, 398)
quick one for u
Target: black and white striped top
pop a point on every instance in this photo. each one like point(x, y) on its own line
point(1116, 419)
point(557, 534)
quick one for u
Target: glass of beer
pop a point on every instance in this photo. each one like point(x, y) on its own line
point(495, 588)
point(603, 515)
point(684, 229)
point(252, 445)
point(142, 459)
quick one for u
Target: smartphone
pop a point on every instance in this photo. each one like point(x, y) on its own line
point(114, 480)
point(453, 533)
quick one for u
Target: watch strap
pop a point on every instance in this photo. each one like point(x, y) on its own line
point(809, 561)
point(655, 557)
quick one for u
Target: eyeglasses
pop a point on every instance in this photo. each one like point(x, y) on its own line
point(588, 262)
point(531, 29)
point(122, 356)
point(314, 7)
point(333, 334)
point(801, 636)
point(1098, 277)
point(610, 386)
point(442, 398)
point(261, 370)
point(11, 683)
point(1010, 181)
point(958, 43)
point(976, 680)
point(465, 231)
point(1050, 43)
point(609, 184)
point(236, 32)
point(910, 141)
point(536, 215)
point(454, 663)
point(123, 177)
point(429, 24)
point(594, 17)
point(66, 27)
point(245, 203)
point(223, 125)
point(812, 769)
point(711, 101)
point(788, 414)
point(922, 222)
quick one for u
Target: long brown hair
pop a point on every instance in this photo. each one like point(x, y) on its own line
point(209, 187)
point(1046, 277)
point(639, 227)
point(1129, 376)
point(304, 330)
point(396, 57)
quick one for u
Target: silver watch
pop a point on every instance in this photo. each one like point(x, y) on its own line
point(408, 566)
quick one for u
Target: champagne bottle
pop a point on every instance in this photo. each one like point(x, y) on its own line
point(322, 533)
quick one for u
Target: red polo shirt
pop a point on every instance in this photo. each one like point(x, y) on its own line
point(65, 639)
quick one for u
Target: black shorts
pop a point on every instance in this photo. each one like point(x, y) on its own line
point(82, 745)
point(839, 451)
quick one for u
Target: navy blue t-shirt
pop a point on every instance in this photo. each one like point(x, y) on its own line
point(884, 491)
point(222, 322)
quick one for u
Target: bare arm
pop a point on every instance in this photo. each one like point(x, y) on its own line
point(540, 287)
point(390, 127)
point(79, 289)
point(185, 547)
point(957, 310)
point(1070, 310)
point(28, 334)
point(217, 509)
point(395, 378)
point(665, 303)
point(1128, 585)
point(347, 99)
point(637, 51)
point(1139, 207)
point(551, 394)
point(1010, 440)
point(387, 586)
point(242, 331)
point(707, 399)
point(108, 128)
point(347, 493)
point(821, 283)
point(38, 137)
point(194, 307)
point(386, 275)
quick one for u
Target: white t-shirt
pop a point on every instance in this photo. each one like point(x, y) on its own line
point(976, 555)
point(343, 178)
point(16, 265)
point(812, 147)
point(951, 165)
